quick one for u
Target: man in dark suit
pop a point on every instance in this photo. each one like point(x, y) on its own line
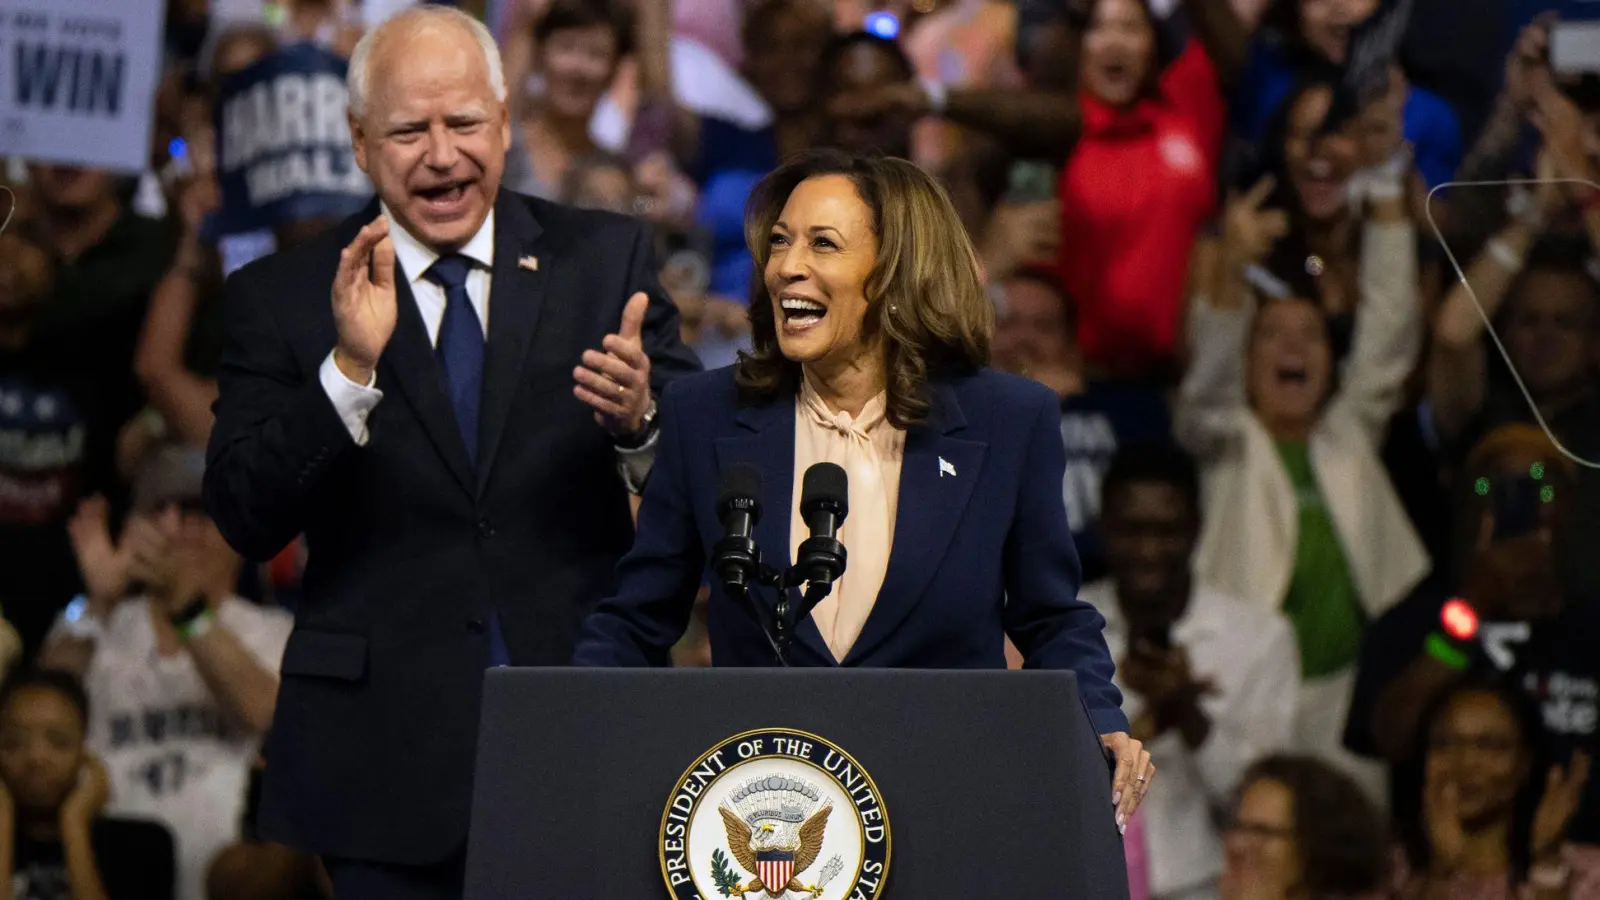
point(462, 507)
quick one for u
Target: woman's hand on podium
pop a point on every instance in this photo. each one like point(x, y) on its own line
point(1131, 780)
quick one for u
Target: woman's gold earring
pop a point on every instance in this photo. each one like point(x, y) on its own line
point(894, 310)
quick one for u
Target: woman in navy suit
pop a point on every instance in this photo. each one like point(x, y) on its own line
point(871, 330)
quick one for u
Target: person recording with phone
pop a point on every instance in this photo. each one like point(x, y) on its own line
point(1509, 611)
point(871, 334)
point(1211, 681)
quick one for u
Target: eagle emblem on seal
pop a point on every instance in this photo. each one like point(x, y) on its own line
point(775, 827)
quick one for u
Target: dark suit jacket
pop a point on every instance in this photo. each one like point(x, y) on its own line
point(372, 748)
point(977, 555)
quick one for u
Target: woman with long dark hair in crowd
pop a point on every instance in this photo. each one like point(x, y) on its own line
point(1494, 818)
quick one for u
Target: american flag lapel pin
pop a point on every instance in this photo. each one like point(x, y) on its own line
point(529, 263)
point(946, 468)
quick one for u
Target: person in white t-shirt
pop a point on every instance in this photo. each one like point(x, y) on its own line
point(1209, 681)
point(181, 673)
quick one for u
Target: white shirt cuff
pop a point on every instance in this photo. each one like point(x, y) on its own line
point(353, 402)
point(635, 464)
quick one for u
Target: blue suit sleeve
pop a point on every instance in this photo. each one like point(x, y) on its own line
point(1044, 617)
point(658, 579)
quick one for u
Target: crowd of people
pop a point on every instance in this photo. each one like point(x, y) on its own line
point(1331, 493)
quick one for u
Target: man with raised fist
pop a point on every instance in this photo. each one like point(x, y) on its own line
point(450, 395)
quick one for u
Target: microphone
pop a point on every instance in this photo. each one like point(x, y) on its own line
point(824, 503)
point(735, 558)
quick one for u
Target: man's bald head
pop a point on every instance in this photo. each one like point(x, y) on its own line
point(396, 37)
point(428, 122)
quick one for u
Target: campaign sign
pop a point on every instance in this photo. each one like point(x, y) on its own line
point(283, 145)
point(78, 80)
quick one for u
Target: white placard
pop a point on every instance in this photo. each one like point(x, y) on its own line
point(78, 80)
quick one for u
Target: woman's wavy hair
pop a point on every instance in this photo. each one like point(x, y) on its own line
point(1341, 840)
point(926, 302)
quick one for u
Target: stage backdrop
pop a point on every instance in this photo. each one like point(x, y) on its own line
point(78, 80)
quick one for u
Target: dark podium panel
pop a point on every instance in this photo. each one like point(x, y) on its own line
point(993, 781)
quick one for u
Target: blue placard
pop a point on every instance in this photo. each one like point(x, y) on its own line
point(283, 144)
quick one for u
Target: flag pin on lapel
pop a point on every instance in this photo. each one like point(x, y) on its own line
point(530, 263)
point(945, 468)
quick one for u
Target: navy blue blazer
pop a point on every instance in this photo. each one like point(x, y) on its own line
point(977, 555)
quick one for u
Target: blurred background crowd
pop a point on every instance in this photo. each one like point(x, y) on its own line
point(1331, 428)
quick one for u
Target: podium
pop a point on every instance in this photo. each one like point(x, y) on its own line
point(983, 784)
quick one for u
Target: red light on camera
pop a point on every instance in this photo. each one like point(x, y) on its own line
point(1459, 619)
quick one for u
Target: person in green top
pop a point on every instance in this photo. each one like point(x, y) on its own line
point(1290, 378)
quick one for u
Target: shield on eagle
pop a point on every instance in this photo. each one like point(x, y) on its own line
point(775, 827)
point(774, 868)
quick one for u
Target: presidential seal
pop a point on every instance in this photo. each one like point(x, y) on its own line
point(775, 814)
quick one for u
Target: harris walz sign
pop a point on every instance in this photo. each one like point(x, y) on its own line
point(283, 145)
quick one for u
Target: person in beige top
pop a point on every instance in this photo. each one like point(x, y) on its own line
point(870, 338)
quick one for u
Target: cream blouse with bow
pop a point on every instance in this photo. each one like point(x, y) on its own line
point(870, 451)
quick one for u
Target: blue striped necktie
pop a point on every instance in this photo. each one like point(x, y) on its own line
point(460, 351)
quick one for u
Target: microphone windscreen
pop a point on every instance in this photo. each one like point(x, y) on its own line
point(825, 484)
point(741, 484)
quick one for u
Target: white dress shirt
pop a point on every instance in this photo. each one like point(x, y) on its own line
point(1250, 655)
point(355, 402)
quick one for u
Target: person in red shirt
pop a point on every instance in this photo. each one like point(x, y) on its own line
point(1140, 147)
point(1138, 188)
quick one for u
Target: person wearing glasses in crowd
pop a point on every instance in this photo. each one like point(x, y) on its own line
point(1302, 830)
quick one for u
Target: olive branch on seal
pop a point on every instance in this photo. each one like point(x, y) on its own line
point(722, 874)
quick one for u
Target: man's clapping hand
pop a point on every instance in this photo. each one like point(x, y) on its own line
point(1171, 691)
point(1162, 677)
point(364, 306)
point(148, 543)
point(102, 563)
